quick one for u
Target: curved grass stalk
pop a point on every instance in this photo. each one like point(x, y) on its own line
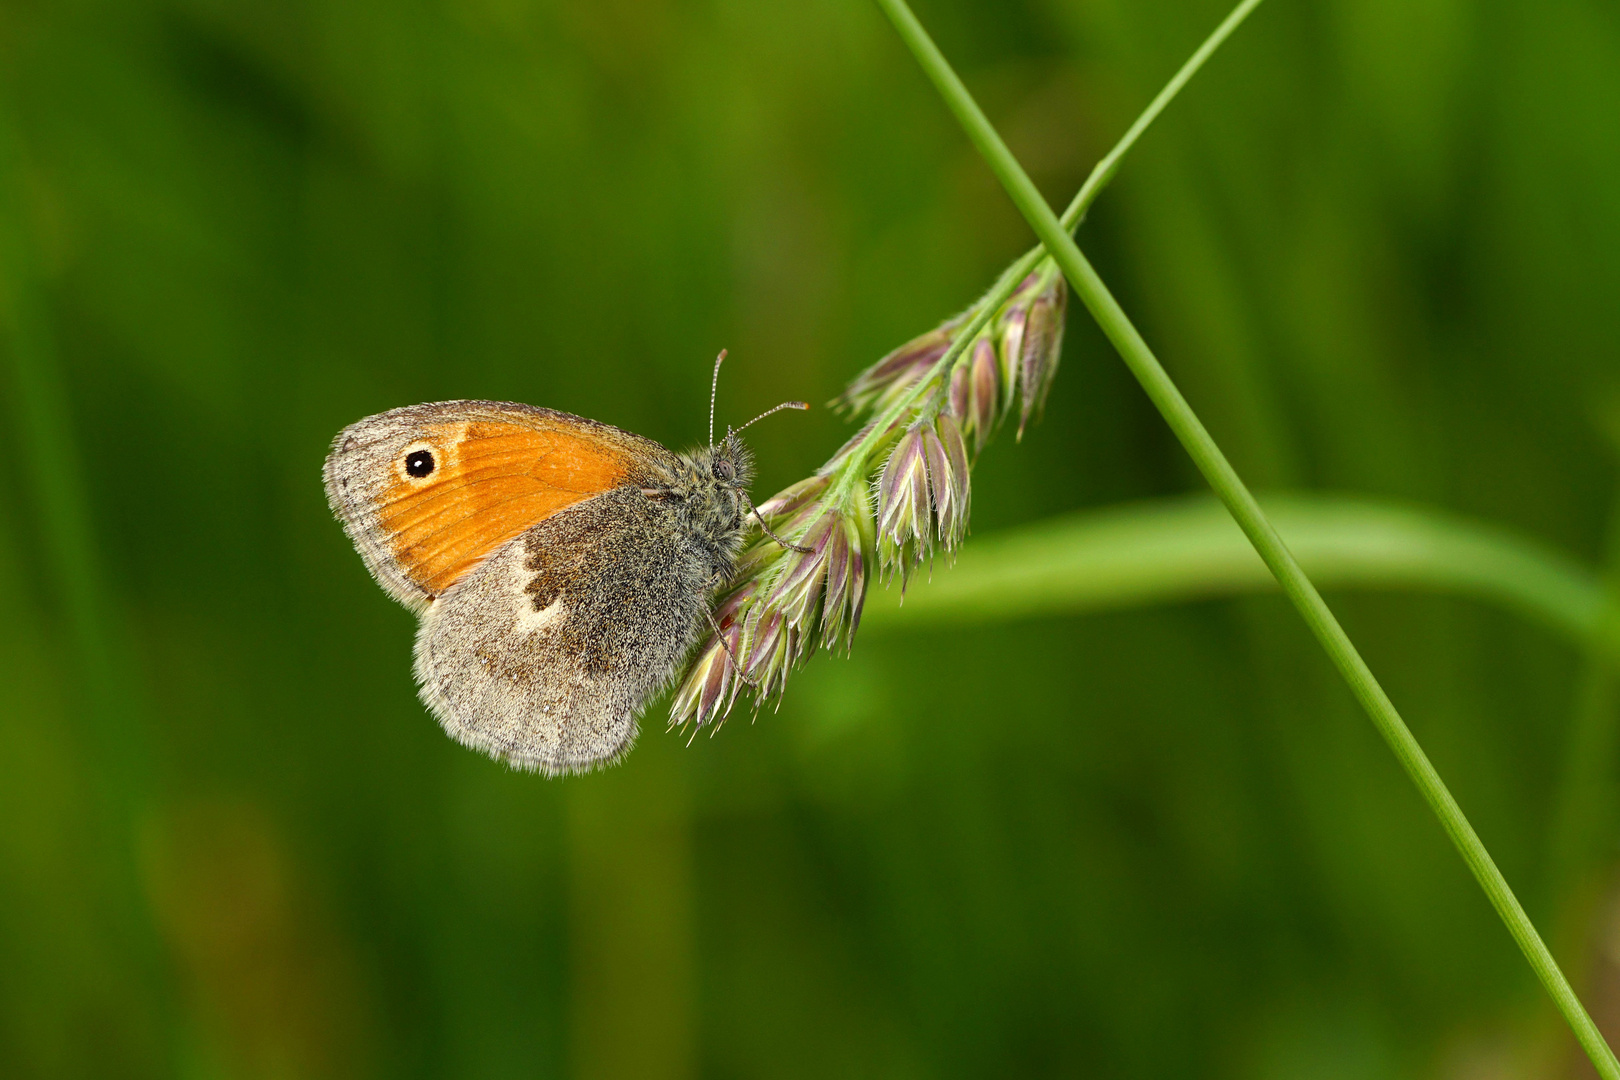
point(1188, 548)
point(1262, 534)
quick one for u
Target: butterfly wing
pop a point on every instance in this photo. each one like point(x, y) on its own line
point(544, 654)
point(555, 596)
point(428, 492)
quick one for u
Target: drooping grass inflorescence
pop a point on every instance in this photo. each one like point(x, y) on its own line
point(890, 499)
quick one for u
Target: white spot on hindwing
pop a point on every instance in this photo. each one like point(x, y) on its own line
point(530, 621)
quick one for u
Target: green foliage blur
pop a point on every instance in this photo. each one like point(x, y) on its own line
point(1376, 241)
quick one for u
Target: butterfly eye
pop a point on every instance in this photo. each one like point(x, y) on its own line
point(724, 470)
point(419, 463)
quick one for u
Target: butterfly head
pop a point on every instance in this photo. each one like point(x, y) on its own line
point(718, 485)
point(724, 470)
point(731, 463)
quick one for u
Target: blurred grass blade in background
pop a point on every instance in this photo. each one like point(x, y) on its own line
point(100, 689)
point(1188, 548)
point(44, 432)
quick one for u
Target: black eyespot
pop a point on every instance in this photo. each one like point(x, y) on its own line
point(419, 463)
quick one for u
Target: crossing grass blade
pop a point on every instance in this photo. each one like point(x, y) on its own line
point(1262, 533)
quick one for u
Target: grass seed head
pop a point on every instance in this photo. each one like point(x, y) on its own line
point(922, 414)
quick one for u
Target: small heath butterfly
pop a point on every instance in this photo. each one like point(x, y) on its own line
point(561, 568)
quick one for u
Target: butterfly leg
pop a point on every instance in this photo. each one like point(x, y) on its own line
point(736, 664)
point(752, 509)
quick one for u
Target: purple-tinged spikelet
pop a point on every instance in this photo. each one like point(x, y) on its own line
point(1042, 348)
point(1010, 351)
point(905, 525)
point(975, 387)
point(885, 381)
point(710, 686)
point(922, 495)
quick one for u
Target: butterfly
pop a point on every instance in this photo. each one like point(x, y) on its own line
point(561, 568)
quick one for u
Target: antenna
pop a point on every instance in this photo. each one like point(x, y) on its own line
point(800, 405)
point(714, 388)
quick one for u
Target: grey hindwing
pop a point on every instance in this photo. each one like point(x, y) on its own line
point(544, 654)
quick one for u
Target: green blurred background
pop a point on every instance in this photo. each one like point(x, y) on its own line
point(1377, 241)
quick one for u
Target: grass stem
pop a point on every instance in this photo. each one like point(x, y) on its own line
point(1230, 489)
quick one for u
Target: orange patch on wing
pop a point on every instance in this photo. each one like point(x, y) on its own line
point(491, 482)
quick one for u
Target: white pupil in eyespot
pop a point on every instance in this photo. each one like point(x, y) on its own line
point(419, 463)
